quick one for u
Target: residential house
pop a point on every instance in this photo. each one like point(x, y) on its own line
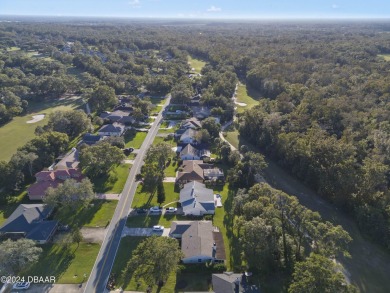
point(91, 139)
point(213, 174)
point(200, 241)
point(69, 160)
point(115, 129)
point(30, 221)
point(192, 123)
point(191, 153)
point(229, 282)
point(201, 112)
point(189, 136)
point(196, 199)
point(46, 179)
point(197, 170)
point(118, 116)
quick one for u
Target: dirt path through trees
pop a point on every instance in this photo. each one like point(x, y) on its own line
point(369, 265)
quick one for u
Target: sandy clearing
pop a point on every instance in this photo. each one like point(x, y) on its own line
point(36, 118)
point(240, 104)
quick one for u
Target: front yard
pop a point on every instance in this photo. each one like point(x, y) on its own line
point(134, 139)
point(67, 263)
point(97, 214)
point(177, 281)
point(114, 181)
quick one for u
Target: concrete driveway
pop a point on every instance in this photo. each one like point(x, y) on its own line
point(144, 232)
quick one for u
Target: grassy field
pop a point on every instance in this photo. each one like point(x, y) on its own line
point(67, 263)
point(232, 136)
point(114, 181)
point(247, 96)
point(385, 56)
point(17, 132)
point(12, 49)
point(135, 140)
point(98, 214)
point(177, 282)
point(197, 64)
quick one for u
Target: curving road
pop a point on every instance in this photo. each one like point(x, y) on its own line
point(101, 270)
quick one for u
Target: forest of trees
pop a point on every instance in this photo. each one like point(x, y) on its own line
point(323, 113)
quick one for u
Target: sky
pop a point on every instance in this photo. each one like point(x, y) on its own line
point(235, 9)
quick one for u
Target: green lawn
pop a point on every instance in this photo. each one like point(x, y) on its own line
point(7, 209)
point(67, 263)
point(232, 136)
point(98, 214)
point(144, 200)
point(166, 131)
point(197, 64)
point(177, 282)
point(170, 171)
point(114, 181)
point(385, 56)
point(135, 140)
point(249, 97)
point(17, 132)
point(159, 139)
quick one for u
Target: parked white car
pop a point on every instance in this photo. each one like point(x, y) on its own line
point(158, 228)
point(171, 210)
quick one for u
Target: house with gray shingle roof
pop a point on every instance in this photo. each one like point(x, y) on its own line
point(229, 282)
point(200, 241)
point(114, 129)
point(196, 199)
point(191, 153)
point(30, 221)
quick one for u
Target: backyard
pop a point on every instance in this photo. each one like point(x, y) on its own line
point(114, 181)
point(134, 139)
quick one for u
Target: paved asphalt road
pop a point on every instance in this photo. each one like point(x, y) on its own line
point(101, 270)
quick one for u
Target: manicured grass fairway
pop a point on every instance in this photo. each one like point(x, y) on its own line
point(98, 214)
point(17, 132)
point(385, 56)
point(244, 97)
point(135, 141)
point(197, 64)
point(67, 264)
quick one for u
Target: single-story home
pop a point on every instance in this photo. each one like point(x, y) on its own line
point(114, 129)
point(30, 221)
point(201, 112)
point(191, 170)
point(192, 123)
point(196, 199)
point(189, 136)
point(46, 179)
point(229, 282)
point(200, 241)
point(91, 139)
point(191, 153)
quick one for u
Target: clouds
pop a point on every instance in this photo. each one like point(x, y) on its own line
point(214, 9)
point(135, 3)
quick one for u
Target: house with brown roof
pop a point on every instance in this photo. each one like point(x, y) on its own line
point(200, 241)
point(192, 123)
point(46, 179)
point(196, 170)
